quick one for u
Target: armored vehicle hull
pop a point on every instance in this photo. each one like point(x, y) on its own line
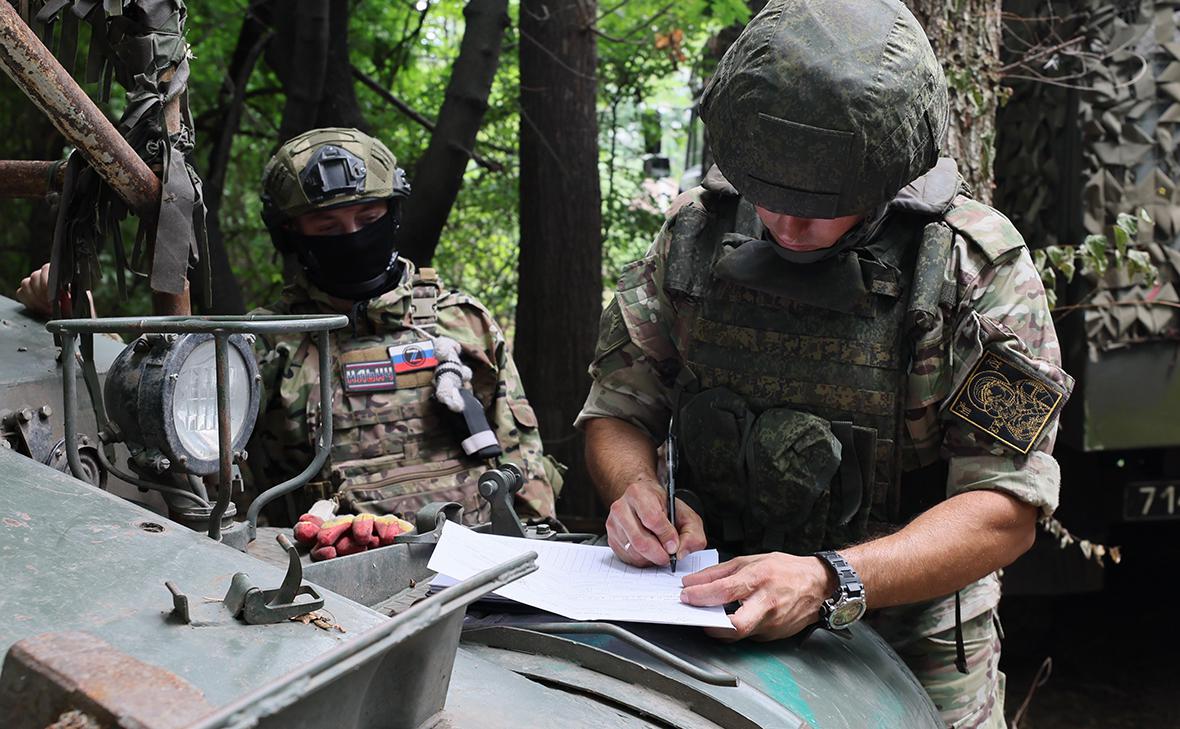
point(93, 629)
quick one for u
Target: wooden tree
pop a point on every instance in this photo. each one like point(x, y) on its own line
point(966, 38)
point(560, 266)
point(310, 56)
point(439, 173)
point(253, 35)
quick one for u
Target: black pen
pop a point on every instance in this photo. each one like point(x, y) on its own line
point(670, 461)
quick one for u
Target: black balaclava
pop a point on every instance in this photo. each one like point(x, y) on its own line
point(357, 266)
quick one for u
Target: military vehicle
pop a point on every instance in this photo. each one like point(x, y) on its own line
point(1090, 132)
point(119, 616)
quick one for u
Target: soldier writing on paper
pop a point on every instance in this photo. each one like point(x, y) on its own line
point(860, 358)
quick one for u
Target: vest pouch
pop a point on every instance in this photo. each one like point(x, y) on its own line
point(387, 486)
point(853, 487)
point(763, 480)
point(791, 460)
point(712, 427)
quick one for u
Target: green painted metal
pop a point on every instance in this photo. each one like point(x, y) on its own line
point(28, 353)
point(1129, 398)
point(75, 558)
point(827, 680)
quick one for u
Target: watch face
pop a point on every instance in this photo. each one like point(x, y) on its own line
point(847, 613)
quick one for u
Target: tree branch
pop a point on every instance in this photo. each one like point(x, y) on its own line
point(439, 172)
point(415, 115)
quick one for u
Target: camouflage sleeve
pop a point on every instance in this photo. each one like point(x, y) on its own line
point(281, 432)
point(1007, 385)
point(634, 340)
point(509, 412)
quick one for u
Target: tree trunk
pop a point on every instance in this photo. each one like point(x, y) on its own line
point(439, 172)
point(338, 105)
point(252, 39)
point(310, 56)
point(966, 38)
point(560, 293)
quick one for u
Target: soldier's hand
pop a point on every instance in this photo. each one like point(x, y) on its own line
point(780, 594)
point(639, 532)
point(34, 293)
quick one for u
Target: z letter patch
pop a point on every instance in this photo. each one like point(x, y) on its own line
point(1007, 403)
point(413, 357)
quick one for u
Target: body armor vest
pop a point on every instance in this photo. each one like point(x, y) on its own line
point(791, 409)
point(395, 451)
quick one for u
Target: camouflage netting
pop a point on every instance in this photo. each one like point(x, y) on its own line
point(141, 44)
point(1096, 139)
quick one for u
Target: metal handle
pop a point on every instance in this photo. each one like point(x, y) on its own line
point(706, 675)
point(269, 324)
point(711, 676)
point(323, 445)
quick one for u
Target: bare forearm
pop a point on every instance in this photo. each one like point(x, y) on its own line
point(946, 548)
point(622, 462)
point(618, 455)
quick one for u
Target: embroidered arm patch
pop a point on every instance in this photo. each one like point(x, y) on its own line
point(1009, 401)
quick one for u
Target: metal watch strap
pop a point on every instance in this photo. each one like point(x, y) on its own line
point(848, 582)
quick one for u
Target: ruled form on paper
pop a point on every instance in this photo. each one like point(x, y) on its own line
point(577, 581)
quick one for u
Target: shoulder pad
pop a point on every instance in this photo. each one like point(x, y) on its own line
point(712, 189)
point(984, 226)
point(692, 198)
point(456, 297)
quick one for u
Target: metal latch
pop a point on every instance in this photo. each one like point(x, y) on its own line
point(499, 487)
point(256, 606)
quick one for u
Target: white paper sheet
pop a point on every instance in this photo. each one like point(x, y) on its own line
point(578, 581)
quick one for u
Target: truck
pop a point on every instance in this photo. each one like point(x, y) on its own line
point(1086, 137)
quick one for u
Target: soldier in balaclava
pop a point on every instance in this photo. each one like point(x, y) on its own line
point(855, 360)
point(426, 394)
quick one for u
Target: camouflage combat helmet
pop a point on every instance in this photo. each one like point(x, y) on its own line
point(327, 168)
point(332, 168)
point(826, 108)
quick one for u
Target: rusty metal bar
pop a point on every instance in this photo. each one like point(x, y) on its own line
point(224, 436)
point(30, 179)
point(165, 304)
point(38, 74)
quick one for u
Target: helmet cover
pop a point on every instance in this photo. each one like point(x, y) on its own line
point(826, 108)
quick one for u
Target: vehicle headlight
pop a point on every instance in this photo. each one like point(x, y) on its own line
point(161, 393)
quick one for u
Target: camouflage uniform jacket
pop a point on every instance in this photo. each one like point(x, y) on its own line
point(398, 449)
point(999, 300)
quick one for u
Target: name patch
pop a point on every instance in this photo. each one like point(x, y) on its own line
point(368, 376)
point(1009, 404)
point(413, 357)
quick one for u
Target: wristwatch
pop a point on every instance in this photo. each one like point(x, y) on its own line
point(847, 604)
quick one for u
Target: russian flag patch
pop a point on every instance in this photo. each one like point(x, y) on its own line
point(413, 357)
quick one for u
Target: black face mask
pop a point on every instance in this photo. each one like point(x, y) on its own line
point(356, 266)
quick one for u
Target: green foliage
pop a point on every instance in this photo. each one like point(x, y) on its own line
point(1096, 256)
point(647, 72)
